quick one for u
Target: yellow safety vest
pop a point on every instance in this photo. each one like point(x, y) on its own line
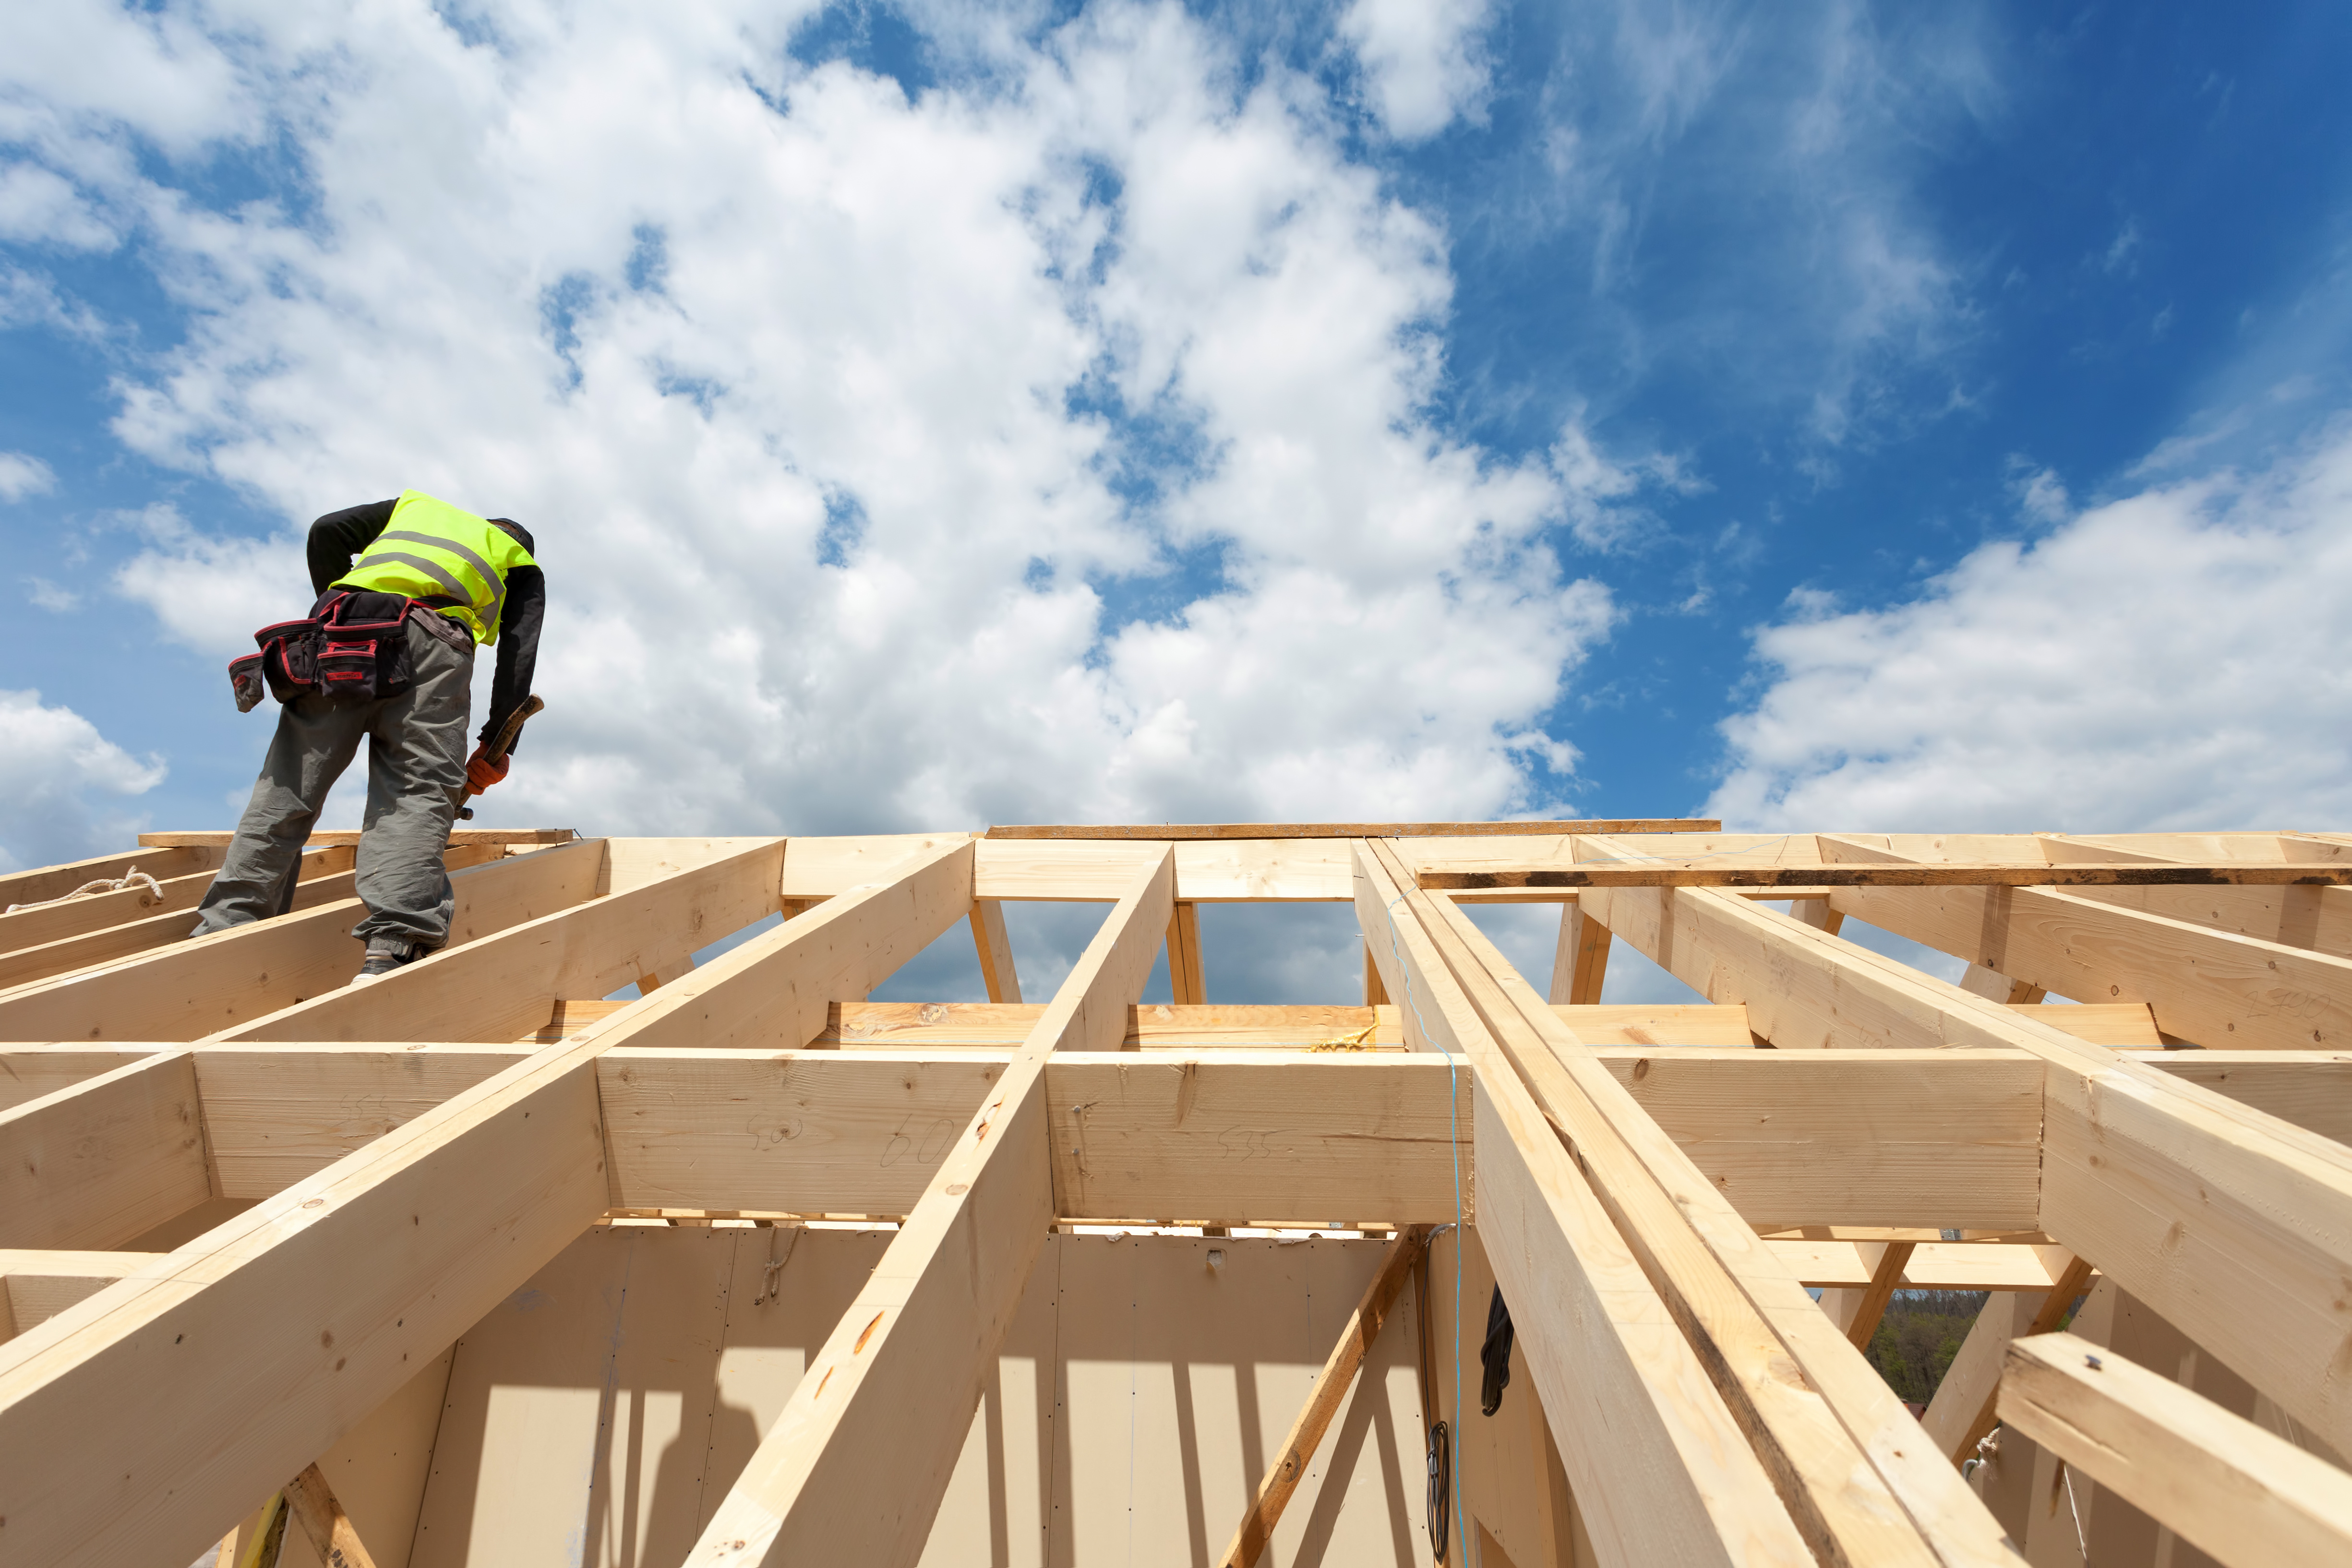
point(430, 550)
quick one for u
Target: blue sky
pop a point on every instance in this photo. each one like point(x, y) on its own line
point(1819, 415)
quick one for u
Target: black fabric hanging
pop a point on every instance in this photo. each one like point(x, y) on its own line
point(1495, 1354)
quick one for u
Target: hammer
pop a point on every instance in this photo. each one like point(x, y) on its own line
point(505, 739)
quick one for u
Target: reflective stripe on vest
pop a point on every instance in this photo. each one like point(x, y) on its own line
point(430, 550)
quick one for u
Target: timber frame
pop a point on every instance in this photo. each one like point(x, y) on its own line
point(1660, 1190)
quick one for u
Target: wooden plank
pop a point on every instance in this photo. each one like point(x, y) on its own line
point(1375, 994)
point(1886, 1274)
point(922, 1026)
point(344, 1284)
point(458, 837)
point(1185, 956)
point(1579, 963)
point(1356, 1336)
point(496, 986)
point(1171, 832)
point(2233, 1225)
point(129, 938)
point(1833, 1444)
point(1941, 874)
point(1914, 1137)
point(39, 1284)
point(854, 1468)
point(1932, 1265)
point(322, 1519)
point(1228, 1138)
point(2215, 1478)
point(821, 867)
point(278, 1114)
point(1963, 1410)
point(1674, 1481)
point(97, 1164)
point(41, 883)
point(29, 1072)
point(2317, 918)
point(997, 970)
point(194, 987)
point(2221, 991)
point(47, 923)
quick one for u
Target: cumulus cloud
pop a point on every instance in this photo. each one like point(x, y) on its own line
point(22, 475)
point(1050, 444)
point(1422, 61)
point(56, 774)
point(2174, 658)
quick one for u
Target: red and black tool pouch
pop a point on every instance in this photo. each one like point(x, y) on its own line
point(353, 643)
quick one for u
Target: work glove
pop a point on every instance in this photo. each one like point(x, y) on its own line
point(481, 772)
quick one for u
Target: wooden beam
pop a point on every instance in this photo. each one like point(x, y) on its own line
point(2223, 991)
point(46, 923)
point(496, 986)
point(1834, 1443)
point(1674, 1480)
point(2235, 1226)
point(1909, 874)
point(347, 1283)
point(218, 839)
point(35, 1286)
point(997, 971)
point(109, 942)
point(1185, 956)
point(1356, 1336)
point(40, 884)
point(194, 987)
point(1170, 832)
point(2219, 1481)
point(1885, 1275)
point(1962, 1411)
point(853, 1469)
point(2319, 918)
point(322, 1519)
point(1580, 962)
point(97, 1164)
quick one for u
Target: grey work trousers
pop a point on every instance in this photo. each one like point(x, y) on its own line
point(416, 777)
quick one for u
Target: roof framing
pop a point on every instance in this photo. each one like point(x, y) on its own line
point(1656, 1197)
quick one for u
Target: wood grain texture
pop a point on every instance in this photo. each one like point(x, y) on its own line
point(97, 1164)
point(1945, 873)
point(1675, 1479)
point(216, 839)
point(196, 988)
point(2231, 1487)
point(854, 1468)
point(1178, 831)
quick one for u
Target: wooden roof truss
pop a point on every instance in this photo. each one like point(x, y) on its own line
point(1654, 1211)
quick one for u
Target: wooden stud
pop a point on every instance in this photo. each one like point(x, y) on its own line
point(1580, 962)
point(1884, 1276)
point(853, 1469)
point(322, 1519)
point(996, 968)
point(2223, 1484)
point(1963, 1409)
point(1185, 956)
point(349, 1282)
point(1356, 1336)
point(1835, 1444)
point(1674, 1481)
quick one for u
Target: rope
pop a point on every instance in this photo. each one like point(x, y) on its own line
point(89, 889)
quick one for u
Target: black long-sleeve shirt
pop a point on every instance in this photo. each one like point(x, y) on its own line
point(339, 537)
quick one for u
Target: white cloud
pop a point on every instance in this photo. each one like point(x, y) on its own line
point(53, 762)
point(49, 596)
point(1422, 61)
point(22, 475)
point(2174, 658)
point(212, 594)
point(836, 531)
point(37, 206)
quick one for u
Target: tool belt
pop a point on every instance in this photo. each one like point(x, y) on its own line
point(354, 642)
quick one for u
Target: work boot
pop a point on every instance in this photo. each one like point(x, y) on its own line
point(385, 954)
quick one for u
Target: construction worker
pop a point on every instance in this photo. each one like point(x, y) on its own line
point(473, 580)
